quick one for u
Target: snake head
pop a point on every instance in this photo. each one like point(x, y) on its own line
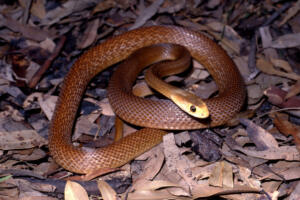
point(190, 103)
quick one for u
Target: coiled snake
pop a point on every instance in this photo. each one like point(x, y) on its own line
point(155, 115)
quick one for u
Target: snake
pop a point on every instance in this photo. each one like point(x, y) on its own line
point(155, 115)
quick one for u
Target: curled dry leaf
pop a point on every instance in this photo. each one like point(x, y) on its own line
point(107, 192)
point(74, 191)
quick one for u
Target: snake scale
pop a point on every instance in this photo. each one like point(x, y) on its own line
point(154, 115)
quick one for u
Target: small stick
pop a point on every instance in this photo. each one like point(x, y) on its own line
point(37, 76)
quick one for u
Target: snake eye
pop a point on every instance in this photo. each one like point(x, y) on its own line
point(193, 108)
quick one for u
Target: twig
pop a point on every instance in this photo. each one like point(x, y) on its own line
point(278, 110)
point(277, 14)
point(37, 76)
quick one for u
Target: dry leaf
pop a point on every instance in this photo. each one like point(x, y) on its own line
point(19, 138)
point(90, 34)
point(281, 153)
point(106, 107)
point(47, 104)
point(37, 8)
point(260, 137)
point(293, 10)
point(146, 14)
point(266, 39)
point(104, 5)
point(155, 160)
point(287, 128)
point(106, 191)
point(36, 154)
point(175, 161)
point(141, 89)
point(295, 195)
point(27, 31)
point(222, 175)
point(267, 67)
point(157, 184)
point(282, 64)
point(287, 41)
point(294, 90)
point(74, 191)
point(153, 195)
point(247, 178)
point(203, 190)
point(277, 97)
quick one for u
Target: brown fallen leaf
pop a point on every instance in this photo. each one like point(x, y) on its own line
point(146, 14)
point(155, 160)
point(141, 89)
point(37, 8)
point(296, 193)
point(90, 34)
point(151, 195)
point(74, 191)
point(156, 184)
point(268, 68)
point(202, 191)
point(104, 5)
point(293, 90)
point(277, 97)
point(292, 11)
point(178, 163)
point(280, 153)
point(266, 38)
point(222, 175)
point(287, 128)
point(287, 41)
point(262, 139)
point(106, 191)
point(19, 137)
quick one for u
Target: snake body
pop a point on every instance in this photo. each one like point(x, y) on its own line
point(153, 114)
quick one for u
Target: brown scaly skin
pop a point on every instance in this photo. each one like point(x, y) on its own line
point(153, 114)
